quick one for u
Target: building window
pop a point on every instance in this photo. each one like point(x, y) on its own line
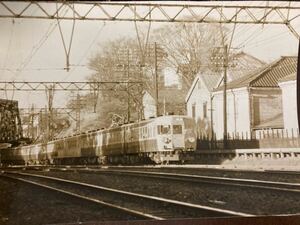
point(199, 84)
point(194, 110)
point(205, 110)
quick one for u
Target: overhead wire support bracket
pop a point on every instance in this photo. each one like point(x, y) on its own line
point(115, 11)
point(67, 51)
point(188, 13)
point(66, 86)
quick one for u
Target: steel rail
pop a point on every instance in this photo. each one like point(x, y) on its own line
point(287, 187)
point(94, 200)
point(250, 183)
point(189, 206)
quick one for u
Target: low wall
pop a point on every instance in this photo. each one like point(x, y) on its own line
point(275, 138)
point(256, 158)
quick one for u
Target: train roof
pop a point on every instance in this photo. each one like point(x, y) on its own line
point(131, 124)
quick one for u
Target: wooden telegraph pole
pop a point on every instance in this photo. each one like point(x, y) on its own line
point(156, 78)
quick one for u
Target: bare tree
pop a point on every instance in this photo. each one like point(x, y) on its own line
point(189, 47)
point(120, 60)
point(186, 48)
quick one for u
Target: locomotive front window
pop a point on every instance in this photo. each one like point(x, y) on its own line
point(164, 129)
point(177, 129)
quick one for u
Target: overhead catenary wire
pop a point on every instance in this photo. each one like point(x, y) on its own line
point(86, 52)
point(256, 33)
point(35, 49)
point(7, 52)
point(33, 52)
point(143, 44)
point(67, 50)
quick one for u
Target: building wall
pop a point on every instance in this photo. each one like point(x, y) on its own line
point(198, 106)
point(149, 106)
point(238, 116)
point(289, 103)
point(266, 108)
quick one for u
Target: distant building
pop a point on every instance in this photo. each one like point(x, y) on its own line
point(288, 86)
point(200, 95)
point(199, 100)
point(254, 102)
point(149, 105)
point(170, 101)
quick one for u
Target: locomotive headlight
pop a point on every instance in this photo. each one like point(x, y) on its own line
point(167, 140)
point(191, 139)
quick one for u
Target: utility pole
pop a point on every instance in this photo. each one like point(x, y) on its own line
point(46, 136)
point(31, 122)
point(49, 114)
point(78, 105)
point(156, 78)
point(221, 60)
point(225, 66)
point(128, 94)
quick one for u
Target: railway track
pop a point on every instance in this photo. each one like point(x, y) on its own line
point(249, 183)
point(244, 183)
point(144, 206)
point(229, 181)
point(162, 167)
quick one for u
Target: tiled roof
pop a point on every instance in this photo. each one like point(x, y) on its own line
point(210, 80)
point(290, 77)
point(173, 95)
point(268, 76)
point(245, 64)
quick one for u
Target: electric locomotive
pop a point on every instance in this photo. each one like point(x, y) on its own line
point(160, 140)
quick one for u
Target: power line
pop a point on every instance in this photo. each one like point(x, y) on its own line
point(86, 52)
point(274, 37)
point(8, 49)
point(67, 51)
point(36, 47)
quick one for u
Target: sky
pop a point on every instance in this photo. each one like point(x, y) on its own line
point(32, 49)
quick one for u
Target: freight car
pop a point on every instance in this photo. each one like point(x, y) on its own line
point(10, 123)
point(159, 140)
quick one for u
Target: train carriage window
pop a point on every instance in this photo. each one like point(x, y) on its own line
point(177, 129)
point(144, 132)
point(164, 129)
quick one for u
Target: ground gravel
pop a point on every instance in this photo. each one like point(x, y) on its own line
point(254, 201)
point(24, 204)
point(277, 176)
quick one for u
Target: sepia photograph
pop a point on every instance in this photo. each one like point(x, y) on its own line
point(149, 112)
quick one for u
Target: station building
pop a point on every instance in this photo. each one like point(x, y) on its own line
point(200, 97)
point(254, 101)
